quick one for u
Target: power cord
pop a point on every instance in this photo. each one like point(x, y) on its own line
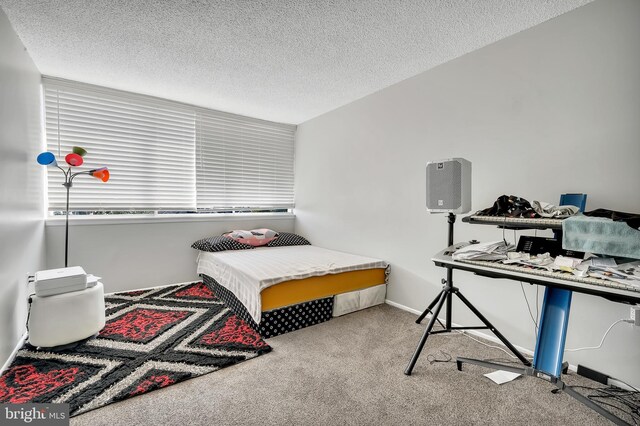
point(29, 301)
point(601, 341)
point(535, 321)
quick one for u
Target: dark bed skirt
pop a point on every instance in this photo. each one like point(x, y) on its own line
point(277, 321)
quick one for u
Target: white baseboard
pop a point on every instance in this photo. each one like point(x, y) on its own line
point(13, 354)
point(477, 333)
point(404, 308)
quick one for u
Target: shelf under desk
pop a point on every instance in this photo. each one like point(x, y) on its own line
point(595, 286)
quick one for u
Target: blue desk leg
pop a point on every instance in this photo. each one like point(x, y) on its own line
point(552, 331)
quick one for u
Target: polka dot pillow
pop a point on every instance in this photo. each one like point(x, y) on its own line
point(289, 239)
point(222, 243)
point(219, 243)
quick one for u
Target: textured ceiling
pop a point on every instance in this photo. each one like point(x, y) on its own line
point(280, 60)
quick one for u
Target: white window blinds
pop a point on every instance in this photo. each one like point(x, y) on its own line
point(147, 144)
point(163, 155)
point(243, 163)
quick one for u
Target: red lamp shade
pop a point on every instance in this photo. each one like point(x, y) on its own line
point(102, 174)
point(74, 159)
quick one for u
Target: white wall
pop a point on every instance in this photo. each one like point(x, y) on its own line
point(21, 208)
point(133, 256)
point(550, 110)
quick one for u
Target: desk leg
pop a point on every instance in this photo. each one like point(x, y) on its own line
point(552, 331)
point(492, 365)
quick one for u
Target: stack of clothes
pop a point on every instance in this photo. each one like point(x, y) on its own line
point(513, 206)
point(495, 250)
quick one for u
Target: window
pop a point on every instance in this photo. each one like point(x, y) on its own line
point(164, 156)
point(243, 163)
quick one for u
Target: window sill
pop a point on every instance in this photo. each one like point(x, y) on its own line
point(138, 219)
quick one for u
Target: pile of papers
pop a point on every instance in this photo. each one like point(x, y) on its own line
point(496, 250)
point(598, 267)
point(542, 260)
point(626, 273)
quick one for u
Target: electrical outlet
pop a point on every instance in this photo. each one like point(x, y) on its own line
point(635, 315)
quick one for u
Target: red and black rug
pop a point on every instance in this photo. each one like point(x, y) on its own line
point(153, 338)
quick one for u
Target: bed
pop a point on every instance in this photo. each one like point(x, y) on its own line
point(278, 289)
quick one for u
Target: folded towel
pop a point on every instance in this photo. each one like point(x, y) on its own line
point(600, 235)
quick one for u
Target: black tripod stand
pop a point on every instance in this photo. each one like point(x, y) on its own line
point(446, 294)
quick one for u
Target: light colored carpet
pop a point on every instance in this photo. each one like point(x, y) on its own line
point(349, 371)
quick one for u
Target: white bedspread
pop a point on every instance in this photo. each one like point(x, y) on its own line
point(247, 272)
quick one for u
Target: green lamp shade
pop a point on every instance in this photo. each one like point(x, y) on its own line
point(47, 159)
point(74, 159)
point(101, 173)
point(79, 150)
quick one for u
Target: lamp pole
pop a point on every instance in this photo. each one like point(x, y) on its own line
point(66, 227)
point(68, 183)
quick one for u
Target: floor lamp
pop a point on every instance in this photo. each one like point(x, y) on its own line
point(73, 159)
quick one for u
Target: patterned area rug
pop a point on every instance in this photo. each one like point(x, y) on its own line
point(153, 338)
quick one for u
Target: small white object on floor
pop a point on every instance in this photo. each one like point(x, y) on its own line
point(501, 377)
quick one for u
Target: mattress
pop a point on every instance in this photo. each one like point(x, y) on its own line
point(297, 291)
point(248, 273)
point(281, 320)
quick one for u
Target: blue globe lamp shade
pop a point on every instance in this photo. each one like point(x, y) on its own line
point(47, 159)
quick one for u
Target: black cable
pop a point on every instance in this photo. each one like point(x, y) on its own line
point(29, 300)
point(587, 387)
point(620, 396)
point(432, 358)
point(633, 416)
point(625, 383)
